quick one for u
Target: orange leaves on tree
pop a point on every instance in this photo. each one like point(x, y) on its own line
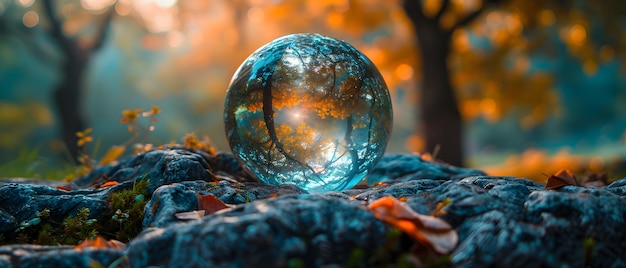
point(561, 178)
point(100, 242)
point(427, 230)
point(112, 154)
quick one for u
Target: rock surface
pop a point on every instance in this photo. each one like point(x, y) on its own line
point(501, 221)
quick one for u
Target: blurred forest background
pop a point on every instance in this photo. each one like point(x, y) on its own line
point(514, 87)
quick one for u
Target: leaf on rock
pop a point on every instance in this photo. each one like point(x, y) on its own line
point(112, 154)
point(100, 242)
point(209, 204)
point(108, 184)
point(63, 188)
point(190, 215)
point(430, 231)
point(561, 178)
point(427, 157)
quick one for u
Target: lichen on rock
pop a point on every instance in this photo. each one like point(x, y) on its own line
point(501, 221)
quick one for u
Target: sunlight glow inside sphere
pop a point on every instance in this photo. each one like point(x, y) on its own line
point(308, 110)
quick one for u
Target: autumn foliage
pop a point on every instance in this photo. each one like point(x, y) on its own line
point(427, 230)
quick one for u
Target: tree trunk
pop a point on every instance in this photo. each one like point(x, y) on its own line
point(440, 119)
point(67, 98)
point(67, 95)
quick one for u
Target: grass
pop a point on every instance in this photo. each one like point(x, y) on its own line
point(30, 164)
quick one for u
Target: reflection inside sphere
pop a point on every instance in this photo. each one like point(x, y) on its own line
point(308, 110)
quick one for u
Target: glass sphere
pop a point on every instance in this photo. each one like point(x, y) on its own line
point(308, 110)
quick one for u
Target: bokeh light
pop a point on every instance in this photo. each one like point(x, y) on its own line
point(30, 19)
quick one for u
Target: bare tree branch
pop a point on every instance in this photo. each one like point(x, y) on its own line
point(444, 6)
point(472, 16)
point(467, 19)
point(104, 30)
point(56, 29)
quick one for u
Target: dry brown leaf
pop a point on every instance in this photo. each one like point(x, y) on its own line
point(63, 188)
point(561, 178)
point(427, 230)
point(210, 204)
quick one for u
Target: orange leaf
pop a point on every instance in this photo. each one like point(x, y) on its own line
point(112, 154)
point(561, 178)
point(427, 157)
point(129, 116)
point(99, 242)
point(427, 230)
point(63, 188)
point(210, 204)
point(108, 184)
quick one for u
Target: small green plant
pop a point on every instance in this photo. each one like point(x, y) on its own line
point(122, 221)
point(43, 230)
point(79, 227)
point(125, 215)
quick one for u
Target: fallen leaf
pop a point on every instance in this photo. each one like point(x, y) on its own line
point(210, 204)
point(595, 180)
point(427, 230)
point(190, 215)
point(112, 154)
point(439, 209)
point(63, 188)
point(108, 184)
point(427, 157)
point(561, 178)
point(100, 242)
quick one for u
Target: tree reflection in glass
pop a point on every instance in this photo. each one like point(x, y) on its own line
point(308, 110)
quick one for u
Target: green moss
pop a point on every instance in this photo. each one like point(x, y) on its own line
point(122, 221)
point(42, 230)
point(124, 218)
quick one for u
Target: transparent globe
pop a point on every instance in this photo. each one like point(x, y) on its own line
point(308, 110)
